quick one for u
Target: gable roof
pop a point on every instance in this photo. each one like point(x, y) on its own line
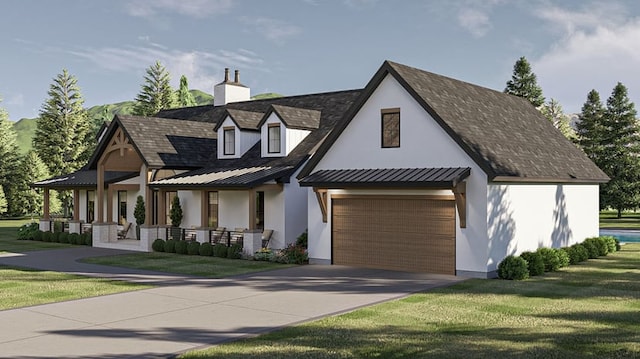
point(162, 142)
point(504, 134)
point(296, 118)
point(245, 120)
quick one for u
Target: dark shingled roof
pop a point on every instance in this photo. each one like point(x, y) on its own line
point(84, 178)
point(245, 120)
point(165, 143)
point(330, 107)
point(385, 177)
point(504, 134)
point(297, 118)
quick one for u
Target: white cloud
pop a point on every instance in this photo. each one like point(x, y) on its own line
point(475, 21)
point(594, 51)
point(16, 100)
point(472, 15)
point(272, 29)
point(193, 8)
point(203, 69)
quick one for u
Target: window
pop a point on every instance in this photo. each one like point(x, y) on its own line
point(122, 206)
point(91, 204)
point(212, 215)
point(391, 128)
point(260, 210)
point(229, 141)
point(154, 207)
point(273, 138)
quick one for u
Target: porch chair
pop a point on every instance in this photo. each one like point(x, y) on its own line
point(126, 226)
point(237, 236)
point(217, 234)
point(266, 237)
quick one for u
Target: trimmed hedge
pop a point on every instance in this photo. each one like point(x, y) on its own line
point(535, 263)
point(234, 252)
point(611, 243)
point(592, 248)
point(181, 247)
point(206, 249)
point(170, 246)
point(220, 250)
point(550, 259)
point(513, 268)
point(563, 257)
point(193, 247)
point(158, 245)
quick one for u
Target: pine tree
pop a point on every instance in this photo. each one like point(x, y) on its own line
point(185, 98)
point(621, 153)
point(8, 160)
point(524, 83)
point(591, 129)
point(552, 110)
point(156, 93)
point(63, 137)
point(32, 169)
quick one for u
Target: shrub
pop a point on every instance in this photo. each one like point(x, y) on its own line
point(513, 268)
point(600, 244)
point(302, 240)
point(563, 257)
point(158, 245)
point(88, 239)
point(220, 250)
point(234, 252)
point(264, 254)
point(206, 249)
point(170, 246)
point(550, 259)
point(581, 252)
point(572, 253)
point(55, 237)
point(46, 236)
point(592, 247)
point(73, 238)
point(57, 227)
point(64, 237)
point(38, 236)
point(535, 263)
point(611, 243)
point(28, 231)
point(295, 254)
point(193, 247)
point(181, 247)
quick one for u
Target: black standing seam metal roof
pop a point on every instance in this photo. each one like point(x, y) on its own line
point(387, 177)
point(84, 178)
point(224, 178)
point(504, 134)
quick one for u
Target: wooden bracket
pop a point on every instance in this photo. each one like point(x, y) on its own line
point(460, 193)
point(321, 196)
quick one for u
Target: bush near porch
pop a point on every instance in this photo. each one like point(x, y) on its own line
point(30, 231)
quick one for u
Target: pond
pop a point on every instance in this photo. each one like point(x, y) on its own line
point(624, 236)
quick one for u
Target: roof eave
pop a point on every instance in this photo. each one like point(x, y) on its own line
point(386, 185)
point(550, 180)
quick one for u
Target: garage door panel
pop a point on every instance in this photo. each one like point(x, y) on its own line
point(408, 234)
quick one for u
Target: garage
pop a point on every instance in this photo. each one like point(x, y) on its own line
point(405, 233)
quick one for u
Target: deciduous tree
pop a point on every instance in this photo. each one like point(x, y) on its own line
point(156, 93)
point(524, 83)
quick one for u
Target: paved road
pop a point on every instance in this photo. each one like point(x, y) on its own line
point(183, 313)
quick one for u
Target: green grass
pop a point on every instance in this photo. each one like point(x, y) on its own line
point(212, 267)
point(9, 235)
point(590, 310)
point(25, 287)
point(629, 220)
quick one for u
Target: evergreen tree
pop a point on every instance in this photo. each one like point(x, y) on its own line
point(552, 110)
point(185, 98)
point(156, 93)
point(63, 138)
point(3, 202)
point(524, 83)
point(30, 201)
point(590, 128)
point(620, 153)
point(8, 160)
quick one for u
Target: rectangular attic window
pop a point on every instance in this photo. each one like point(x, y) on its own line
point(229, 135)
point(273, 138)
point(390, 127)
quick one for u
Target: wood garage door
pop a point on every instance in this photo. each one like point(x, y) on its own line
point(415, 234)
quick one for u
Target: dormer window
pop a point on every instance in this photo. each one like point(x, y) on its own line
point(391, 128)
point(229, 140)
point(273, 138)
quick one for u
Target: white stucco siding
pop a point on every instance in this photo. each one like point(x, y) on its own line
point(274, 217)
point(294, 137)
point(525, 217)
point(423, 143)
point(191, 208)
point(233, 209)
point(295, 209)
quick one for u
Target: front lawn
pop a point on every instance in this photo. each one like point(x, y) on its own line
point(591, 310)
point(212, 267)
point(26, 287)
point(9, 238)
point(629, 220)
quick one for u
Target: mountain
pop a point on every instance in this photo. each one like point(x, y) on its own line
point(26, 127)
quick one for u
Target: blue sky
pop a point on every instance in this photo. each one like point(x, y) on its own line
point(296, 47)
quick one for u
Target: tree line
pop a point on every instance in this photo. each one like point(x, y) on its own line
point(65, 138)
point(609, 135)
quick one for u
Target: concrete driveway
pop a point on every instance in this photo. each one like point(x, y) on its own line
point(183, 313)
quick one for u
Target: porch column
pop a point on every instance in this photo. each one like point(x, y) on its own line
point(110, 204)
point(148, 196)
point(45, 209)
point(252, 209)
point(100, 194)
point(76, 205)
